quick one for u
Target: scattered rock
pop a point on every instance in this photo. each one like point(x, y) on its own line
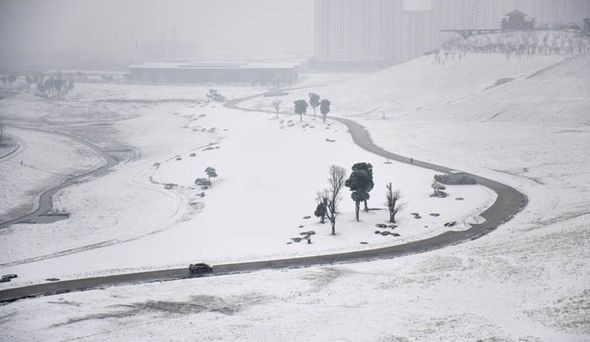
point(301, 226)
point(395, 234)
point(459, 199)
point(306, 217)
point(392, 226)
point(455, 178)
point(381, 225)
point(296, 239)
point(377, 232)
point(192, 154)
point(450, 224)
point(435, 214)
point(440, 194)
point(364, 243)
point(330, 140)
point(290, 243)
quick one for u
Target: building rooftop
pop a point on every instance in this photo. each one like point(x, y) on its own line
point(213, 65)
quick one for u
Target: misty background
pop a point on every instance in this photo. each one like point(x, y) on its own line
point(88, 33)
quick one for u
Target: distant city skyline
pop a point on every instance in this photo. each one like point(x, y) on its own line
point(396, 30)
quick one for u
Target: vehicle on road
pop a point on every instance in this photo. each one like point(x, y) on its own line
point(200, 268)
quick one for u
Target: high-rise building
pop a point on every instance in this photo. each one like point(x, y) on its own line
point(368, 31)
point(348, 31)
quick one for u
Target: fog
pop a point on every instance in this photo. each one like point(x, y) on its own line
point(111, 32)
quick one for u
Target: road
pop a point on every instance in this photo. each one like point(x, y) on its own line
point(509, 202)
point(45, 199)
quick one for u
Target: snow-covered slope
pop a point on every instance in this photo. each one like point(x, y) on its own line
point(528, 280)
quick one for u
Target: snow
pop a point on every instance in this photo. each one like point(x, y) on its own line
point(260, 160)
point(525, 281)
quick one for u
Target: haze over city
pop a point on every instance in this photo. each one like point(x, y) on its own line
point(295, 170)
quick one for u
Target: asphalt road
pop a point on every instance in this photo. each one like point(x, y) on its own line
point(45, 199)
point(508, 203)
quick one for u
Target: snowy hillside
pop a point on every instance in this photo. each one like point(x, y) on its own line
point(521, 121)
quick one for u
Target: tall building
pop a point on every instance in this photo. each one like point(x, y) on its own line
point(370, 31)
point(348, 31)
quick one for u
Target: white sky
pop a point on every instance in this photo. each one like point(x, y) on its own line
point(417, 5)
point(109, 27)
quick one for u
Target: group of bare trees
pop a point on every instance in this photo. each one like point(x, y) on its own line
point(360, 183)
point(8, 79)
point(510, 44)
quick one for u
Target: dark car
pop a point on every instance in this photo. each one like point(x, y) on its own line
point(200, 268)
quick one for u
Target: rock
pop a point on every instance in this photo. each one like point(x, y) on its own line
point(301, 226)
point(296, 239)
point(364, 243)
point(192, 154)
point(381, 225)
point(459, 198)
point(306, 217)
point(395, 234)
point(392, 226)
point(435, 214)
point(377, 232)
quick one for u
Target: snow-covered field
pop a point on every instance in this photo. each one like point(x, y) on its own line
point(262, 162)
point(525, 281)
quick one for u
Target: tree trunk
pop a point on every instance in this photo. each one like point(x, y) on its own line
point(366, 208)
point(301, 117)
point(391, 217)
point(357, 206)
point(333, 226)
point(322, 218)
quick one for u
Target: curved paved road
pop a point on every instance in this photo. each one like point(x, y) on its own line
point(508, 203)
point(45, 199)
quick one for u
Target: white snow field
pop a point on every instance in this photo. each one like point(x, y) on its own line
point(149, 214)
point(526, 281)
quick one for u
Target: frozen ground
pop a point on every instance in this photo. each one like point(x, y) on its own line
point(149, 214)
point(526, 281)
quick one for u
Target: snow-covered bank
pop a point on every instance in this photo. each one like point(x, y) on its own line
point(144, 214)
point(525, 281)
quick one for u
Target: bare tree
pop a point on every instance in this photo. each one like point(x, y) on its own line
point(336, 179)
point(276, 103)
point(392, 202)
